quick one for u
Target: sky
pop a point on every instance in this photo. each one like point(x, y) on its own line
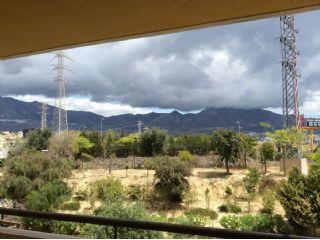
point(234, 65)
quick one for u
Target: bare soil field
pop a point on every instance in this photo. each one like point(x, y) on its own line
point(213, 179)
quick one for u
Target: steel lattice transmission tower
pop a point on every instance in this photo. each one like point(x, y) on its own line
point(60, 118)
point(290, 106)
point(44, 108)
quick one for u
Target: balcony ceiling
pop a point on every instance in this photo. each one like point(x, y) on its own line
point(33, 26)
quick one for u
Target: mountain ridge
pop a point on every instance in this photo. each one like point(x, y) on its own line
point(16, 115)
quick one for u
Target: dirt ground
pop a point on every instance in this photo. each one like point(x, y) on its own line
point(214, 179)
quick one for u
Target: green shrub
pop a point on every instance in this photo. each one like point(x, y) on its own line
point(203, 212)
point(185, 156)
point(50, 196)
point(223, 208)
point(86, 157)
point(268, 202)
point(189, 219)
point(18, 187)
point(108, 189)
point(72, 206)
point(152, 142)
point(230, 208)
point(118, 209)
point(66, 228)
point(136, 192)
point(1, 162)
point(171, 179)
point(81, 194)
point(260, 223)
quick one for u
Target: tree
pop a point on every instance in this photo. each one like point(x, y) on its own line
point(226, 144)
point(196, 144)
point(127, 145)
point(64, 144)
point(152, 142)
point(174, 145)
point(82, 145)
point(267, 153)
point(38, 139)
point(171, 178)
point(300, 198)
point(288, 141)
point(266, 126)
point(95, 138)
point(248, 144)
point(108, 144)
point(250, 183)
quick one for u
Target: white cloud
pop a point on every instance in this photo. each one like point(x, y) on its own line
point(81, 103)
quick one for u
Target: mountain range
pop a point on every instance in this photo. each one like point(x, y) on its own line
point(16, 115)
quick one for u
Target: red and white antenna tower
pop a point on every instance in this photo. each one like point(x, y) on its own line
point(290, 105)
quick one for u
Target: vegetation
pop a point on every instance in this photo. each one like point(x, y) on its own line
point(259, 223)
point(268, 202)
point(287, 140)
point(248, 144)
point(250, 183)
point(267, 153)
point(226, 144)
point(152, 143)
point(108, 189)
point(38, 139)
point(118, 209)
point(185, 156)
point(171, 179)
point(299, 196)
point(72, 206)
point(230, 208)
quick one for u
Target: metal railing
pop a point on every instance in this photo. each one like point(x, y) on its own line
point(144, 225)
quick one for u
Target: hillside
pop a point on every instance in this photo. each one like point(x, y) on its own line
point(16, 115)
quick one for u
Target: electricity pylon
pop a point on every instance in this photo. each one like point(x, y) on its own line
point(60, 118)
point(44, 108)
point(290, 105)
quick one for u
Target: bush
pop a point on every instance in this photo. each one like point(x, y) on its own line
point(267, 183)
point(260, 223)
point(86, 157)
point(66, 228)
point(81, 194)
point(171, 181)
point(108, 189)
point(1, 162)
point(268, 203)
point(230, 208)
point(136, 192)
point(190, 219)
point(38, 139)
point(185, 156)
point(119, 209)
point(50, 196)
point(31, 170)
point(299, 196)
point(202, 212)
point(72, 206)
point(18, 187)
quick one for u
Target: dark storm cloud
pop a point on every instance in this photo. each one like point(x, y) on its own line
point(229, 66)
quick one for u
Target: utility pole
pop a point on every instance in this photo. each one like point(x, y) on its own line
point(139, 126)
point(290, 106)
point(43, 115)
point(60, 119)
